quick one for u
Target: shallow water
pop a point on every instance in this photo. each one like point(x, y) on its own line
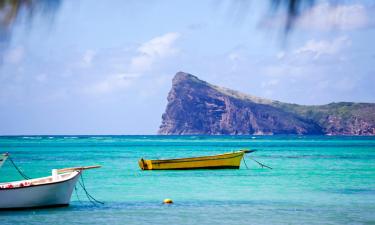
point(314, 180)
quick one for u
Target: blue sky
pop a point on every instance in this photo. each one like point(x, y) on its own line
point(106, 68)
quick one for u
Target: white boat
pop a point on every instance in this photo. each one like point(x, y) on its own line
point(51, 191)
point(41, 192)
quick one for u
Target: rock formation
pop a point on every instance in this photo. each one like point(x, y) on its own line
point(197, 107)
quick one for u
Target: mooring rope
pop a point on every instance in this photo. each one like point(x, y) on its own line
point(89, 197)
point(261, 164)
point(76, 191)
point(243, 159)
point(18, 169)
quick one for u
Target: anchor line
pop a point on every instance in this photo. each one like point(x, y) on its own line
point(18, 169)
point(76, 191)
point(243, 159)
point(261, 164)
point(89, 197)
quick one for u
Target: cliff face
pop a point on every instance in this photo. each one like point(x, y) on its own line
point(197, 107)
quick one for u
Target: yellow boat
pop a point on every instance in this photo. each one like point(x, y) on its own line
point(230, 160)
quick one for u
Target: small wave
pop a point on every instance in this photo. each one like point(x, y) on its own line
point(100, 138)
point(28, 137)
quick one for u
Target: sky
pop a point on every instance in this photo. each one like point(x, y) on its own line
point(107, 68)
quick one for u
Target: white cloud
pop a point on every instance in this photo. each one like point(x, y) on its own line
point(41, 78)
point(345, 83)
point(280, 55)
point(323, 47)
point(109, 84)
point(284, 70)
point(270, 84)
point(130, 67)
point(157, 48)
point(87, 58)
point(14, 55)
point(327, 16)
point(234, 56)
point(235, 59)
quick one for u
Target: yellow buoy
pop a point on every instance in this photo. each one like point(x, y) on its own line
point(167, 201)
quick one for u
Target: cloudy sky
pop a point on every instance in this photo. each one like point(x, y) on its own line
point(107, 68)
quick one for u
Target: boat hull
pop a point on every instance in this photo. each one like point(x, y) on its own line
point(222, 161)
point(39, 196)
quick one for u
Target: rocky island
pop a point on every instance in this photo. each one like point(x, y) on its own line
point(197, 107)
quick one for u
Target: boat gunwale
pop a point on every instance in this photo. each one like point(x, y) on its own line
point(201, 168)
point(37, 185)
point(197, 159)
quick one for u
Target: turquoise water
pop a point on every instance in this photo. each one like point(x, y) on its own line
point(314, 180)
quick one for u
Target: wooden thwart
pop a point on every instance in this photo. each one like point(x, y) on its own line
point(77, 168)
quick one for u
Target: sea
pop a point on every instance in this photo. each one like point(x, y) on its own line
point(313, 180)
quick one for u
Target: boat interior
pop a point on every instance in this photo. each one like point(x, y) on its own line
point(39, 181)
